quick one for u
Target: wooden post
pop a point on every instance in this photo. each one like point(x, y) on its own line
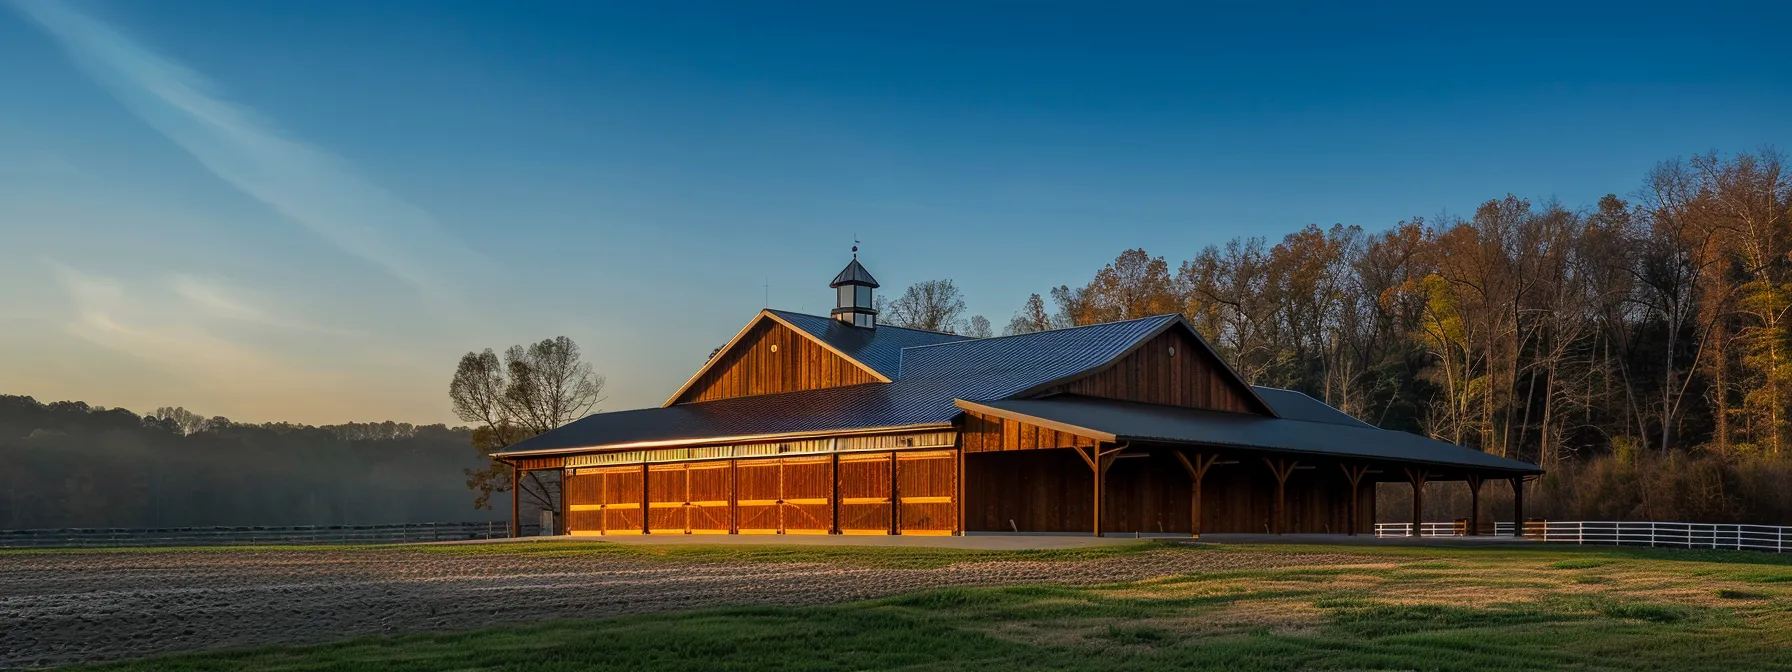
point(734, 496)
point(960, 488)
point(1197, 472)
point(1281, 469)
point(1517, 506)
point(1474, 504)
point(835, 497)
point(565, 480)
point(1417, 478)
point(516, 516)
point(1354, 473)
point(895, 499)
point(646, 502)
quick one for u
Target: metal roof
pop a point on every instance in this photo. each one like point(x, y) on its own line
point(925, 381)
point(879, 348)
point(932, 375)
point(853, 274)
point(1115, 420)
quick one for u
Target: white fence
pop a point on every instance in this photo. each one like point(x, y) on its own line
point(1721, 536)
point(208, 536)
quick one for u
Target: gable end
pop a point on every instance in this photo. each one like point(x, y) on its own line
point(1193, 377)
point(770, 357)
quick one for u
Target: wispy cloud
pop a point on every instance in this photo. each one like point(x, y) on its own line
point(153, 329)
point(220, 299)
point(302, 182)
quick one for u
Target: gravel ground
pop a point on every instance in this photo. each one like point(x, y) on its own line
point(71, 608)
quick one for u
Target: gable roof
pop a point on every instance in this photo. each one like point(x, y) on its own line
point(1116, 420)
point(879, 350)
point(927, 372)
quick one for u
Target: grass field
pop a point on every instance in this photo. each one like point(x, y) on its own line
point(1400, 608)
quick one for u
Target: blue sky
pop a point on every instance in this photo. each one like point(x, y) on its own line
point(308, 210)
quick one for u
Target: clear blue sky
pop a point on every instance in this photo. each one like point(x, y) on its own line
point(308, 210)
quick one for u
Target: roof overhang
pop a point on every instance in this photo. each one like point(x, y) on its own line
point(1112, 436)
point(719, 440)
point(762, 316)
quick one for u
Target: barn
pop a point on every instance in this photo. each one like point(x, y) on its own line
point(807, 424)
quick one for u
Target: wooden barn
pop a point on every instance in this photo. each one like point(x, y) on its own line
point(805, 424)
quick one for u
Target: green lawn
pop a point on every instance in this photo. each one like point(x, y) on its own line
point(1405, 608)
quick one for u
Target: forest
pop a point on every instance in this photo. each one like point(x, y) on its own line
point(1637, 348)
point(69, 464)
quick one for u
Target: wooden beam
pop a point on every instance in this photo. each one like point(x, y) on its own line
point(516, 516)
point(565, 480)
point(1354, 473)
point(1517, 506)
point(1474, 504)
point(1282, 469)
point(1417, 478)
point(834, 497)
point(1197, 472)
point(646, 503)
point(895, 499)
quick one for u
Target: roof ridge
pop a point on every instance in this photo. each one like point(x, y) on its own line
point(1047, 331)
point(961, 337)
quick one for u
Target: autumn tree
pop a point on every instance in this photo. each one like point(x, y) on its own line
point(533, 389)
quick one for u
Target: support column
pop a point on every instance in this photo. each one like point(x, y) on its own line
point(1474, 504)
point(561, 523)
point(1354, 473)
point(646, 502)
point(1517, 506)
point(516, 486)
point(895, 499)
point(1099, 462)
point(834, 497)
point(1281, 469)
point(1197, 471)
point(1417, 478)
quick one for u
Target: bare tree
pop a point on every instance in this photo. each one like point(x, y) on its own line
point(930, 305)
point(1031, 318)
point(534, 389)
point(978, 327)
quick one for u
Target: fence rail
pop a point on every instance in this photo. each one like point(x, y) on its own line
point(1720, 536)
point(308, 534)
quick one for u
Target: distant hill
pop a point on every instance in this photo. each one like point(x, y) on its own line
point(68, 464)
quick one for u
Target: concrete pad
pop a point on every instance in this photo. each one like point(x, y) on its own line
point(980, 542)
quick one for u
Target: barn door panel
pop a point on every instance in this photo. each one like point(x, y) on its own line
point(621, 499)
point(711, 493)
point(668, 495)
point(926, 484)
point(757, 510)
point(807, 495)
point(865, 481)
point(584, 502)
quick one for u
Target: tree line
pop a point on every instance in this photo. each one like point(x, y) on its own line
point(69, 464)
point(1637, 347)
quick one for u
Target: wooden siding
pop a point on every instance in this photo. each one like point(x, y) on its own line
point(988, 433)
point(751, 367)
point(1053, 491)
point(1150, 374)
point(926, 492)
point(533, 463)
point(865, 483)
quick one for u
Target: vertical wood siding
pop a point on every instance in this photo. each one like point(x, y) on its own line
point(621, 499)
point(1150, 374)
point(1053, 491)
point(988, 433)
point(668, 493)
point(751, 368)
point(926, 489)
point(865, 482)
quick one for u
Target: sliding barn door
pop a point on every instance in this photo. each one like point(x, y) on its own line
point(621, 496)
point(865, 482)
point(757, 510)
point(808, 489)
point(584, 502)
point(711, 498)
point(926, 488)
point(668, 493)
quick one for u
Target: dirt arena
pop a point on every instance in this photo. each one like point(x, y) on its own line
point(61, 608)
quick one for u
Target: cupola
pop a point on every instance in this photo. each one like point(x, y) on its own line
point(853, 303)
